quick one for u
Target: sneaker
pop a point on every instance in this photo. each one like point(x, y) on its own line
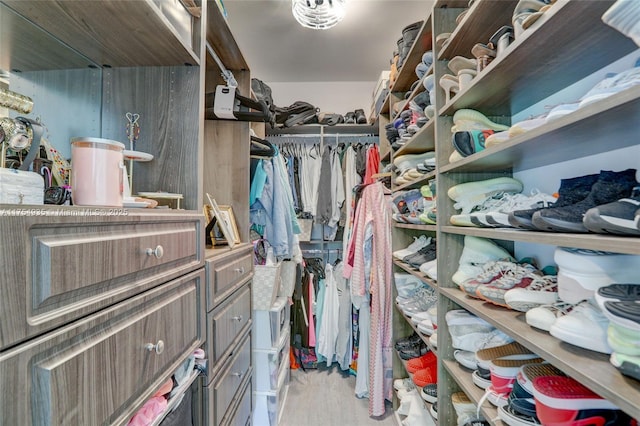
point(582, 272)
point(480, 379)
point(615, 218)
point(610, 186)
point(433, 340)
point(491, 271)
point(561, 110)
point(626, 314)
point(408, 161)
point(571, 191)
point(626, 364)
point(427, 266)
point(521, 407)
point(565, 401)
point(475, 253)
point(424, 299)
point(521, 276)
point(469, 119)
point(426, 376)
point(471, 194)
point(585, 326)
point(406, 384)
point(617, 293)
point(433, 410)
point(414, 352)
point(623, 340)
point(536, 199)
point(540, 291)
point(610, 85)
point(430, 393)
point(526, 125)
point(425, 254)
point(408, 341)
point(470, 333)
point(478, 216)
point(421, 362)
point(503, 377)
point(466, 410)
point(510, 351)
point(426, 327)
point(466, 359)
point(543, 317)
point(417, 244)
point(406, 284)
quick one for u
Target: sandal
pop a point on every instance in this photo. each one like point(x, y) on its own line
point(484, 54)
point(450, 85)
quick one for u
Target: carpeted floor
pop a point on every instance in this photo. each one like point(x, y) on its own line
point(325, 397)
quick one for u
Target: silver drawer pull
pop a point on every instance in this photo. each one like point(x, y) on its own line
point(158, 252)
point(238, 375)
point(158, 347)
point(237, 318)
point(239, 270)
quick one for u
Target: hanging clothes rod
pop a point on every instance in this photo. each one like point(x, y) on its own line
point(226, 74)
point(320, 251)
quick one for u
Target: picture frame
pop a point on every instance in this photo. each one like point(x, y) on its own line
point(230, 220)
point(214, 235)
point(223, 223)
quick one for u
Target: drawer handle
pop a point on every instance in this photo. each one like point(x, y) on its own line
point(238, 375)
point(239, 270)
point(158, 252)
point(237, 318)
point(158, 347)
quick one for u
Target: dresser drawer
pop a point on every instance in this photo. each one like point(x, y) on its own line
point(242, 415)
point(225, 326)
point(101, 369)
point(226, 271)
point(79, 265)
point(225, 387)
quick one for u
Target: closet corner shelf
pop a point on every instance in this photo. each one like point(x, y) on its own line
point(406, 74)
point(617, 244)
point(426, 228)
point(481, 21)
point(425, 279)
point(591, 368)
point(422, 141)
point(520, 78)
point(462, 376)
point(557, 141)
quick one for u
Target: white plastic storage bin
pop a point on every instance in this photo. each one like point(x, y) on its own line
point(268, 364)
point(266, 283)
point(269, 405)
point(269, 326)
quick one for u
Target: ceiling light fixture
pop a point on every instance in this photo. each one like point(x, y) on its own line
point(318, 14)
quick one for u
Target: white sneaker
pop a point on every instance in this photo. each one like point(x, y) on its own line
point(611, 85)
point(426, 327)
point(500, 217)
point(476, 252)
point(470, 333)
point(417, 244)
point(403, 384)
point(544, 316)
point(406, 285)
point(424, 268)
point(466, 410)
point(433, 339)
point(466, 359)
point(541, 291)
point(470, 194)
point(585, 326)
point(582, 272)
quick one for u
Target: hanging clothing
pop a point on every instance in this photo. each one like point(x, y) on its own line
point(324, 200)
point(329, 320)
point(344, 338)
point(373, 164)
point(372, 217)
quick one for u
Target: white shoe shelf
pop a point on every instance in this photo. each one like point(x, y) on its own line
point(568, 43)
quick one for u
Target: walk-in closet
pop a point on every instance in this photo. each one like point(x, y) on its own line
point(320, 212)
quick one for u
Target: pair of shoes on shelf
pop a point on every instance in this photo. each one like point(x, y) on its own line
point(355, 117)
point(604, 202)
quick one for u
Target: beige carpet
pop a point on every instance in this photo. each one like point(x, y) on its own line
point(325, 397)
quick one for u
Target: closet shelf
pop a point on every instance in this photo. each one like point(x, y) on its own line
point(463, 378)
point(219, 35)
point(422, 43)
point(426, 228)
point(423, 140)
point(406, 267)
point(522, 76)
point(426, 404)
point(627, 245)
point(481, 21)
point(560, 139)
point(385, 104)
point(419, 89)
point(591, 368)
point(314, 129)
point(386, 157)
point(109, 32)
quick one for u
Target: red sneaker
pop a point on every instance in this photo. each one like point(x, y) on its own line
point(421, 362)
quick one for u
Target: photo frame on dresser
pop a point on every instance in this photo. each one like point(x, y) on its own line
point(223, 223)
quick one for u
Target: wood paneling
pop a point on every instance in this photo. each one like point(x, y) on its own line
point(228, 383)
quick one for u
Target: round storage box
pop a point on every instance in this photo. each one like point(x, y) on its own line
point(96, 172)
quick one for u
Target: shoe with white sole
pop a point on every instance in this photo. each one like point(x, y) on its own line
point(536, 199)
point(626, 314)
point(618, 217)
point(469, 119)
point(466, 359)
point(627, 364)
point(561, 110)
point(582, 272)
point(541, 291)
point(521, 277)
point(491, 271)
point(471, 194)
point(406, 284)
point(476, 252)
point(543, 316)
point(466, 410)
point(623, 340)
point(585, 326)
point(610, 85)
point(526, 125)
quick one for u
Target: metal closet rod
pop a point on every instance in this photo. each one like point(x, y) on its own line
point(226, 74)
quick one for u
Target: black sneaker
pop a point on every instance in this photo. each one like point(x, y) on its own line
point(618, 217)
point(408, 342)
point(611, 186)
point(424, 255)
point(413, 352)
point(430, 393)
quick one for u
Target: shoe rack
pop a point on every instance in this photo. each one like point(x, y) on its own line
point(568, 43)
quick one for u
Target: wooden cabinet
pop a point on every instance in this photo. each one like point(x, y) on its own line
point(568, 43)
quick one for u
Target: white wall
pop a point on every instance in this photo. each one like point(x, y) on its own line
point(337, 97)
